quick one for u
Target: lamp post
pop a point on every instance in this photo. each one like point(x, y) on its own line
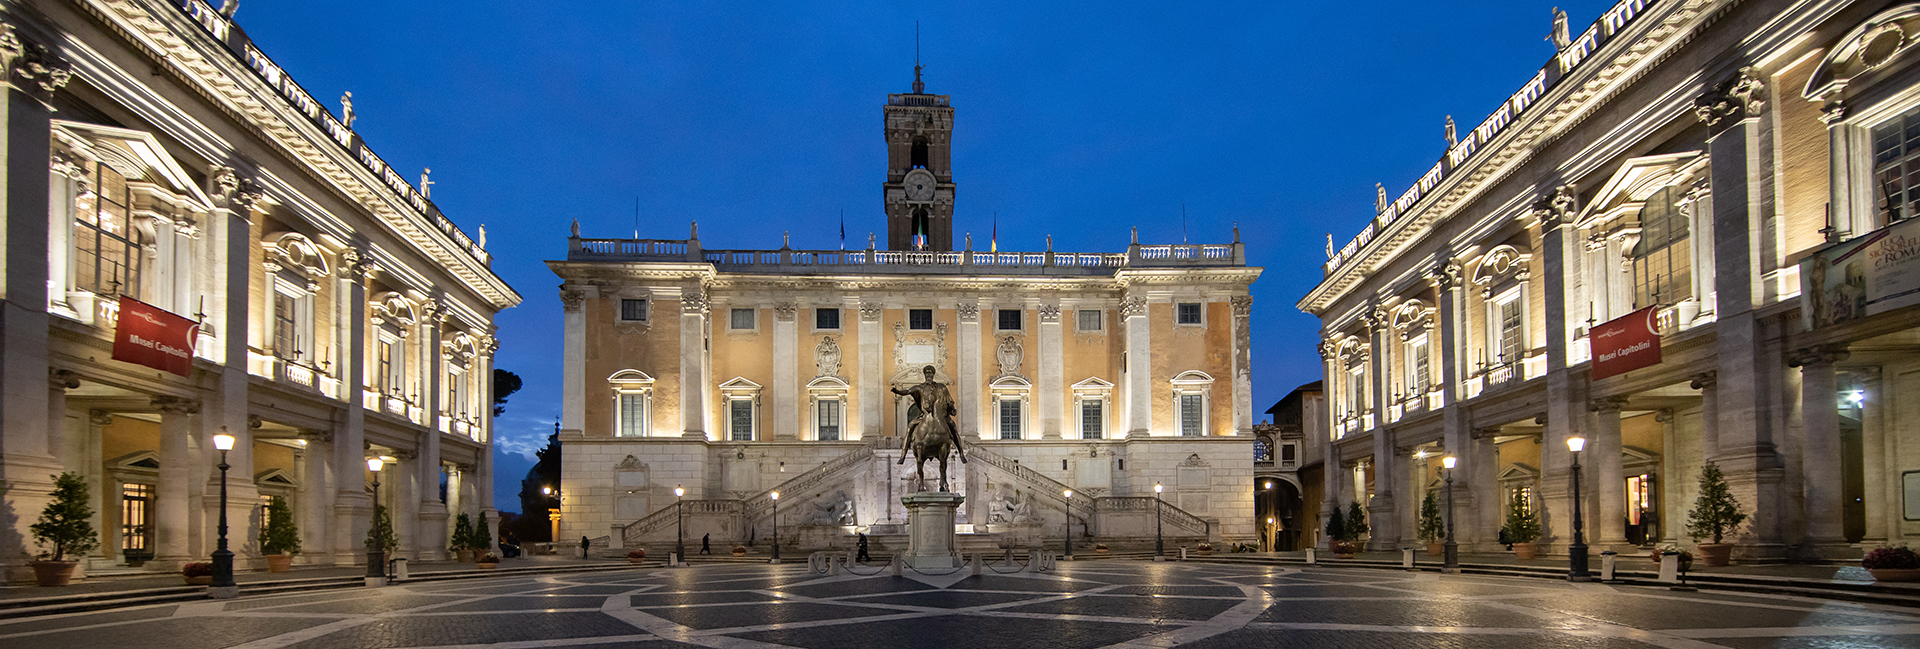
point(223, 585)
point(1577, 553)
point(376, 555)
point(1273, 507)
point(1159, 542)
point(679, 523)
point(776, 527)
point(1452, 553)
point(1067, 497)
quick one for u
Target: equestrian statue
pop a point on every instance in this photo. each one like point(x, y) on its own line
point(932, 434)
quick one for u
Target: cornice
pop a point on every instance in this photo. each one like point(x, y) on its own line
point(1569, 103)
point(213, 72)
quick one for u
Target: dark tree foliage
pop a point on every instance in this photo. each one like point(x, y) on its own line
point(505, 383)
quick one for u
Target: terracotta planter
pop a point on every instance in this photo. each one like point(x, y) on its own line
point(463, 556)
point(739, 551)
point(1099, 550)
point(279, 562)
point(488, 565)
point(1895, 574)
point(1525, 551)
point(1715, 554)
point(1436, 549)
point(54, 573)
point(635, 560)
point(199, 581)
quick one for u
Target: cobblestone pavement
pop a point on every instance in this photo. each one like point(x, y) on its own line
point(1089, 604)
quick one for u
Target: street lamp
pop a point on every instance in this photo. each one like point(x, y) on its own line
point(1067, 496)
point(679, 523)
point(1577, 553)
point(1273, 506)
point(1159, 542)
point(776, 527)
point(223, 585)
point(1452, 553)
point(376, 555)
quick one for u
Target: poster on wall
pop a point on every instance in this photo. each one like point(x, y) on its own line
point(1872, 274)
point(148, 335)
point(1627, 343)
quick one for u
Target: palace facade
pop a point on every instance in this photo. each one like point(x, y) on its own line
point(730, 375)
point(1735, 180)
point(163, 172)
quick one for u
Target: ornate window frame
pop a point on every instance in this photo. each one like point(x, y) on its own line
point(1191, 383)
point(1093, 390)
point(633, 384)
point(740, 389)
point(1011, 388)
point(828, 392)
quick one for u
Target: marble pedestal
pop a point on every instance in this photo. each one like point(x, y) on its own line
point(930, 517)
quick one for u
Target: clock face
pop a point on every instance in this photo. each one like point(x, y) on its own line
point(919, 185)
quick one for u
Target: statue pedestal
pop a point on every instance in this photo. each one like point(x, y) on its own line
point(930, 517)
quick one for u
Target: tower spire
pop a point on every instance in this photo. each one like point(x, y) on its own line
point(918, 87)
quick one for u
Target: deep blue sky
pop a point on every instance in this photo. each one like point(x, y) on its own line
point(1075, 119)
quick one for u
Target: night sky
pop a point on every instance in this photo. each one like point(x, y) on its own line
point(762, 118)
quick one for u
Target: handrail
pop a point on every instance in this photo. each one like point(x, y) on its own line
point(1167, 511)
point(1032, 477)
point(762, 504)
point(634, 531)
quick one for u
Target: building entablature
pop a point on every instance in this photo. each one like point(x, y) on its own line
point(788, 262)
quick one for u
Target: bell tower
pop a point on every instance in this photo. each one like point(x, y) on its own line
point(918, 191)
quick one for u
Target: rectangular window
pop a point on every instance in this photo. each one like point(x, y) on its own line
point(1009, 419)
point(457, 393)
point(826, 318)
point(1508, 314)
point(633, 310)
point(829, 424)
point(633, 414)
point(1092, 419)
point(1662, 259)
point(135, 533)
point(107, 247)
point(1089, 319)
point(1896, 167)
point(1419, 365)
point(920, 319)
point(1190, 415)
point(740, 420)
point(1288, 453)
point(1009, 319)
point(1356, 391)
point(285, 326)
point(741, 320)
point(1189, 313)
point(384, 377)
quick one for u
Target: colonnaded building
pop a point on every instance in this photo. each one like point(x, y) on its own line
point(167, 182)
point(1731, 185)
point(733, 374)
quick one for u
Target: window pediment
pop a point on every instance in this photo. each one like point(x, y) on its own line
point(1501, 262)
point(1638, 180)
point(1879, 42)
point(1192, 378)
point(294, 251)
point(135, 154)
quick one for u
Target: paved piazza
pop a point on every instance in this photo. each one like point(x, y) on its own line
point(1087, 604)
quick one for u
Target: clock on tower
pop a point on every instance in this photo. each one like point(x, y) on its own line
point(918, 192)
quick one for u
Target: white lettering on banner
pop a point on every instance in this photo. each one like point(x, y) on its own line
point(1599, 33)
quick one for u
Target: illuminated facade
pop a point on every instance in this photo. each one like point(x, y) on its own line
point(733, 374)
point(155, 155)
point(1705, 160)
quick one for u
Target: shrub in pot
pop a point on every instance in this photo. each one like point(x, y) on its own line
point(482, 539)
point(1100, 548)
point(1204, 548)
point(198, 573)
point(1716, 514)
point(487, 561)
point(279, 539)
point(1893, 564)
point(462, 541)
point(636, 555)
point(1345, 530)
point(1523, 525)
point(739, 550)
point(63, 530)
point(1432, 529)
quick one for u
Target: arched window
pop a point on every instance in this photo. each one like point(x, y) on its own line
point(918, 159)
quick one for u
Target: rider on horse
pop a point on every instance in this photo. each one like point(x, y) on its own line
point(933, 400)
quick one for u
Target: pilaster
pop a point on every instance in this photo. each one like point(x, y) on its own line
point(1052, 386)
point(1609, 484)
point(969, 382)
point(693, 353)
point(1138, 367)
point(784, 382)
point(573, 386)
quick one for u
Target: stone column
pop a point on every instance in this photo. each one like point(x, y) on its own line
point(1138, 369)
point(1383, 511)
point(406, 503)
point(58, 383)
point(172, 501)
point(1052, 385)
point(968, 384)
point(1820, 417)
point(351, 500)
point(573, 360)
point(1448, 338)
point(1851, 200)
point(1484, 479)
point(1243, 365)
point(1705, 382)
point(1880, 465)
point(693, 352)
point(315, 503)
point(785, 384)
point(1566, 391)
point(1608, 480)
point(1746, 438)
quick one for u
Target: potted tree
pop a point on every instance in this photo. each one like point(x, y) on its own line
point(1523, 525)
point(1432, 529)
point(1205, 548)
point(279, 539)
point(63, 530)
point(198, 573)
point(1893, 564)
point(380, 533)
point(462, 541)
point(1337, 535)
point(636, 555)
point(1716, 513)
point(739, 550)
point(482, 540)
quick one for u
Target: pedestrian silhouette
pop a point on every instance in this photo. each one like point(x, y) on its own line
point(706, 546)
point(863, 549)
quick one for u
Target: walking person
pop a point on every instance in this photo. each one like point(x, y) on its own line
point(706, 543)
point(863, 556)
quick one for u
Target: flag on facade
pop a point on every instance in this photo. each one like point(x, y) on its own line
point(843, 229)
point(993, 245)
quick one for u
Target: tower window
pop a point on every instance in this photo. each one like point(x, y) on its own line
point(1009, 319)
point(1190, 314)
point(826, 318)
point(918, 159)
point(920, 319)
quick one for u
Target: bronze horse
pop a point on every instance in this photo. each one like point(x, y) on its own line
point(931, 435)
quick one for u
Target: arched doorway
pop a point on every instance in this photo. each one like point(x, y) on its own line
point(1277, 509)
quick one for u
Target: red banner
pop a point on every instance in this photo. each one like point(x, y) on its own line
point(147, 335)
point(1627, 343)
